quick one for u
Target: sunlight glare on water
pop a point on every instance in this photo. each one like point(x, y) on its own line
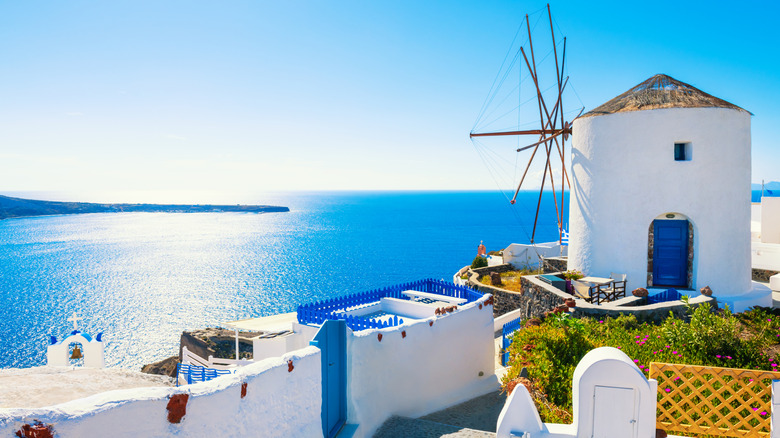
point(143, 278)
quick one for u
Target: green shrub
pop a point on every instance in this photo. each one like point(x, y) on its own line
point(479, 262)
point(552, 350)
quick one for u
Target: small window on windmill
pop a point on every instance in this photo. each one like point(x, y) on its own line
point(682, 152)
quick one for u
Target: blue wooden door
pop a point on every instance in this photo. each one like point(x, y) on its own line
point(332, 340)
point(670, 253)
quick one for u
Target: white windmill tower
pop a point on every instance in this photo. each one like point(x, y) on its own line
point(660, 184)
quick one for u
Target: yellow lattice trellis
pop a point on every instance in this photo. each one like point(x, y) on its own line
point(713, 400)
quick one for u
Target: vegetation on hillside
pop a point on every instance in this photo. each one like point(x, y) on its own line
point(551, 350)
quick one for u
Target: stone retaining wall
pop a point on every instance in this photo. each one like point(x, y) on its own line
point(762, 275)
point(554, 264)
point(539, 297)
point(535, 298)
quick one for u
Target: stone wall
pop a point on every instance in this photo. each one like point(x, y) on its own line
point(762, 275)
point(554, 264)
point(536, 298)
point(539, 297)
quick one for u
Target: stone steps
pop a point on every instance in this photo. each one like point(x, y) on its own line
point(405, 427)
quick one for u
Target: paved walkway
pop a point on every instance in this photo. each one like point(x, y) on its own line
point(475, 418)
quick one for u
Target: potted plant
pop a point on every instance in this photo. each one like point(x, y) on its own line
point(569, 276)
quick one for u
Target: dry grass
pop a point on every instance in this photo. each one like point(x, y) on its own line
point(511, 279)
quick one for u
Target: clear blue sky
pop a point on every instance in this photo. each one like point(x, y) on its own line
point(293, 95)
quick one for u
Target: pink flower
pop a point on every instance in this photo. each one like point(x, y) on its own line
point(755, 409)
point(602, 322)
point(637, 336)
point(620, 348)
point(674, 352)
point(668, 390)
point(638, 342)
point(641, 367)
point(677, 378)
point(763, 412)
point(636, 360)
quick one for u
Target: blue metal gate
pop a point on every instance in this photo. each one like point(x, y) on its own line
point(332, 340)
point(506, 334)
point(670, 253)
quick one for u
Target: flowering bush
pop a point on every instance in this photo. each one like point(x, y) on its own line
point(552, 350)
point(573, 275)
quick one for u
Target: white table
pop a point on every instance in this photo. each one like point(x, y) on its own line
point(596, 280)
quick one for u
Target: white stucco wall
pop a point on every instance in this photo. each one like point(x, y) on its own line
point(770, 220)
point(278, 403)
point(526, 255)
point(624, 175)
point(432, 368)
point(611, 398)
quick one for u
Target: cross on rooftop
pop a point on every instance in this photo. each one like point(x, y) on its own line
point(75, 320)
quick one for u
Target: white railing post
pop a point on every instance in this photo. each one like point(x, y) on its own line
point(775, 420)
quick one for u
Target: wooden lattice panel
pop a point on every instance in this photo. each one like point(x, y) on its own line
point(712, 400)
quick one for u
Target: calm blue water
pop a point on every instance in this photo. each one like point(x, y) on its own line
point(755, 195)
point(143, 278)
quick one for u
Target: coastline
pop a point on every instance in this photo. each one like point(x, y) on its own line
point(11, 208)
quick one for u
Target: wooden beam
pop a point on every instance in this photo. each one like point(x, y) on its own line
point(526, 132)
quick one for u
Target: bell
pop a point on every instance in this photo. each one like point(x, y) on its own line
point(76, 353)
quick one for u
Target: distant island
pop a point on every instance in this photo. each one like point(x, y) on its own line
point(18, 207)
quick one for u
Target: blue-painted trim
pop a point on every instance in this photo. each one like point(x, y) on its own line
point(333, 332)
point(506, 338)
point(336, 308)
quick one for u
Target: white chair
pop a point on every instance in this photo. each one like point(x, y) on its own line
point(583, 290)
point(617, 277)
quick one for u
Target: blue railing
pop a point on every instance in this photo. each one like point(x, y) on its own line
point(506, 338)
point(336, 308)
point(667, 295)
point(195, 373)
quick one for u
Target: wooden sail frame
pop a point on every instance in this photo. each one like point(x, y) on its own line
point(551, 135)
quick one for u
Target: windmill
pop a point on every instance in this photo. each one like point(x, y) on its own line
point(553, 130)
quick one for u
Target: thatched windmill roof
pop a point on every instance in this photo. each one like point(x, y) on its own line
point(660, 91)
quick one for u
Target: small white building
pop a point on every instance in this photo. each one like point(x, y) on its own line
point(660, 192)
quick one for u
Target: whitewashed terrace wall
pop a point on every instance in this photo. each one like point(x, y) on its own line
point(611, 398)
point(770, 220)
point(432, 368)
point(521, 255)
point(278, 403)
point(765, 256)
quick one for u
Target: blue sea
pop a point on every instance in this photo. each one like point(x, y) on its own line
point(143, 278)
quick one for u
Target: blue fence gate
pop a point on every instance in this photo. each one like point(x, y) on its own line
point(332, 340)
point(506, 335)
